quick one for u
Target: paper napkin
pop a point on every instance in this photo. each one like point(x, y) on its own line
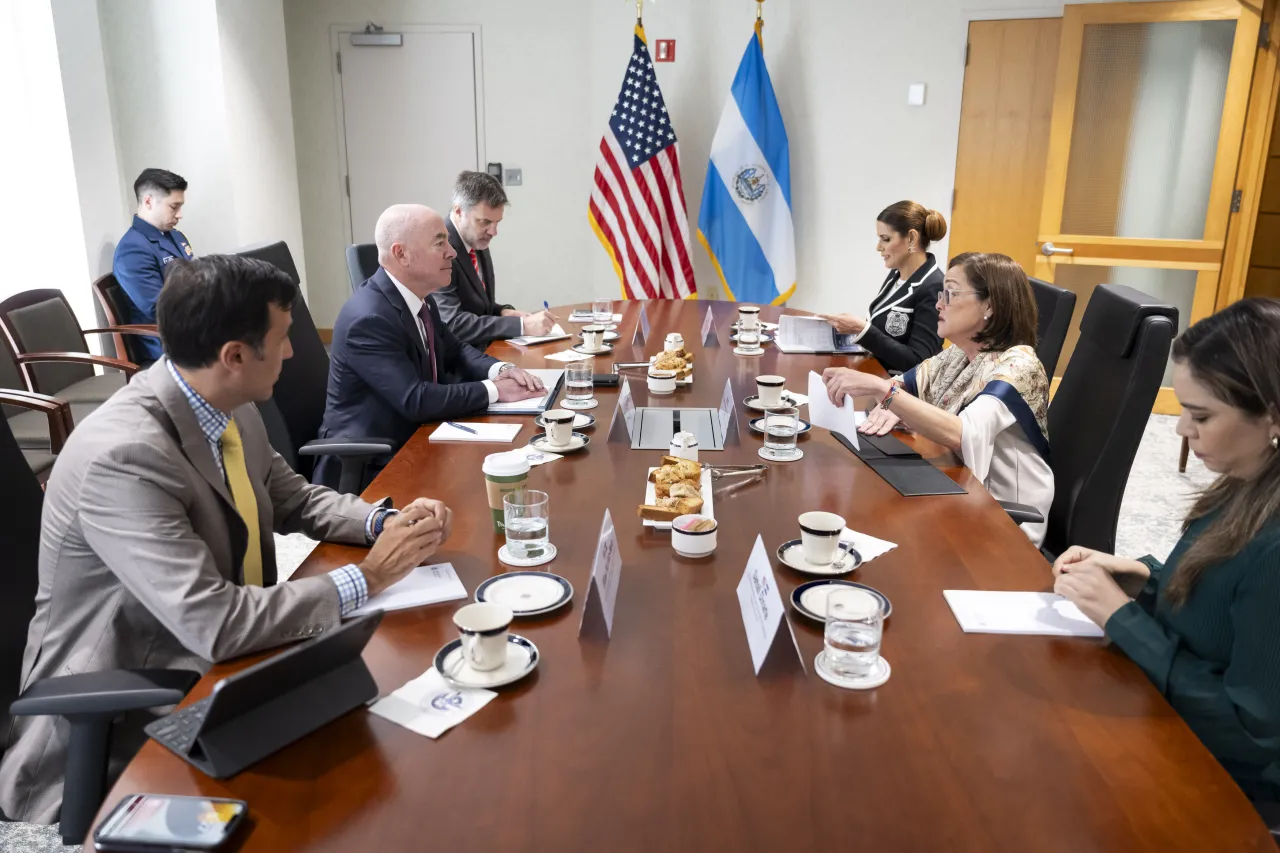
point(868, 546)
point(567, 355)
point(429, 705)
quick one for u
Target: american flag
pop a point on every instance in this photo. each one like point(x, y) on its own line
point(637, 202)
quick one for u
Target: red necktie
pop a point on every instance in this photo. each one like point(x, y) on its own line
point(475, 262)
point(425, 314)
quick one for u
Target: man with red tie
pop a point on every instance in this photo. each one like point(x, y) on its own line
point(468, 305)
point(394, 364)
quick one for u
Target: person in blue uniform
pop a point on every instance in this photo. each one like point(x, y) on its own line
point(150, 245)
point(901, 327)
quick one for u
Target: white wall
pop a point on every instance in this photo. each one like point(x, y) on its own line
point(41, 202)
point(552, 71)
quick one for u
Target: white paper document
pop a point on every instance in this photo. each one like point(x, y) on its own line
point(868, 547)
point(424, 585)
point(980, 612)
point(798, 334)
point(557, 333)
point(549, 377)
point(842, 419)
point(501, 433)
point(429, 705)
point(567, 355)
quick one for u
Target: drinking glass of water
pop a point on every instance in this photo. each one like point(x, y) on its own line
point(854, 626)
point(526, 514)
point(579, 390)
point(602, 312)
point(749, 340)
point(781, 426)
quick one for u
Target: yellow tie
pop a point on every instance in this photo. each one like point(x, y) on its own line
point(246, 503)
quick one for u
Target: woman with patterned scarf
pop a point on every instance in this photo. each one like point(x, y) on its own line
point(986, 397)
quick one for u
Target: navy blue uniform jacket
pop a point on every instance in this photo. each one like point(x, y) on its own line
point(139, 265)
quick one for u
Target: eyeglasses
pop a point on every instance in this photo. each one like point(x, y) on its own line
point(947, 295)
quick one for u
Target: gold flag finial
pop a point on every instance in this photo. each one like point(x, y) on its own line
point(639, 12)
point(760, 20)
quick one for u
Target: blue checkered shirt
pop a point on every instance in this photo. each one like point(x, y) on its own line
point(353, 590)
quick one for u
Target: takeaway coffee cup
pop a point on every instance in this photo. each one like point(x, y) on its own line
point(503, 473)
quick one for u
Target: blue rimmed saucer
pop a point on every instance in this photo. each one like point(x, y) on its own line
point(810, 599)
point(526, 593)
point(522, 659)
point(757, 425)
point(791, 555)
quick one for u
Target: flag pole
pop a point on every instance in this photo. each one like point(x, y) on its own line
point(759, 21)
point(639, 13)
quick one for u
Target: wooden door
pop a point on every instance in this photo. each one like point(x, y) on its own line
point(1148, 115)
point(1005, 116)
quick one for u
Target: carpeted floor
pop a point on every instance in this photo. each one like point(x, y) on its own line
point(1150, 523)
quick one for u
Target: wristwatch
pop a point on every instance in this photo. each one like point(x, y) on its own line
point(504, 368)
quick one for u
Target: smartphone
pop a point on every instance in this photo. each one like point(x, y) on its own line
point(147, 823)
point(605, 379)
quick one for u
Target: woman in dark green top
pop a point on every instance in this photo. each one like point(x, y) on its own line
point(1205, 626)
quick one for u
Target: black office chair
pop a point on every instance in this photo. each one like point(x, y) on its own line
point(1054, 306)
point(1098, 415)
point(115, 305)
point(362, 263)
point(89, 701)
point(296, 409)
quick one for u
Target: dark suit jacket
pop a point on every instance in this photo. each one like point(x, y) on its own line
point(904, 319)
point(468, 306)
point(380, 376)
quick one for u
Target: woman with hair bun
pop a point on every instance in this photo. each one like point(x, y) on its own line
point(901, 327)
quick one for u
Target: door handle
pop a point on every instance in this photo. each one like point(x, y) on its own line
point(1049, 250)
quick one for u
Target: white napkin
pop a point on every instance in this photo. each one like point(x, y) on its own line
point(801, 399)
point(429, 705)
point(868, 546)
point(567, 355)
point(538, 457)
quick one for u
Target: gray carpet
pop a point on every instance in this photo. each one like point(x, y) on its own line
point(1150, 523)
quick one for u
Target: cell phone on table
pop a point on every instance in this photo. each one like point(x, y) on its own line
point(609, 380)
point(149, 823)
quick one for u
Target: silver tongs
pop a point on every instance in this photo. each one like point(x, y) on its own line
point(720, 471)
point(630, 365)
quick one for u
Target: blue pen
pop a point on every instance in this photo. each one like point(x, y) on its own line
point(461, 427)
point(545, 305)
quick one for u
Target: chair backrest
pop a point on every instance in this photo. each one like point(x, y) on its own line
point(1054, 306)
point(362, 263)
point(1100, 410)
point(20, 545)
point(10, 377)
point(115, 304)
point(42, 321)
point(297, 402)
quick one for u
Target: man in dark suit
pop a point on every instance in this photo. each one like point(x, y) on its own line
point(393, 363)
point(468, 305)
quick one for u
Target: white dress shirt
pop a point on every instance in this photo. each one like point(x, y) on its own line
point(414, 303)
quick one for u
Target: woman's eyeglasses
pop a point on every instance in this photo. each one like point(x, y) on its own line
point(947, 295)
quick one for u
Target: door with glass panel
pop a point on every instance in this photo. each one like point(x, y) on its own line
point(1148, 114)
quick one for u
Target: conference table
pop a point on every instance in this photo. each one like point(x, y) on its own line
point(662, 738)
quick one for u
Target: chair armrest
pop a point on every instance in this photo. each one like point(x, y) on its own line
point(347, 447)
point(111, 691)
point(1021, 513)
point(147, 330)
point(128, 367)
point(58, 412)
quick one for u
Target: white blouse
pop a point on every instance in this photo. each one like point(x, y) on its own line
point(998, 453)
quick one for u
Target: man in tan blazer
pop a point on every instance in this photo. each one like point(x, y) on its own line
point(146, 559)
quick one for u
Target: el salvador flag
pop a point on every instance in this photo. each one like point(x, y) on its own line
point(745, 223)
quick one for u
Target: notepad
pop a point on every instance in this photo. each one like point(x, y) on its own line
point(500, 433)
point(981, 612)
point(424, 585)
point(557, 333)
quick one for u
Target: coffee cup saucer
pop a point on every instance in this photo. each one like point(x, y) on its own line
point(794, 456)
point(810, 598)
point(577, 441)
point(748, 353)
point(757, 425)
point(753, 402)
point(765, 337)
point(582, 349)
point(609, 335)
point(522, 659)
point(579, 406)
point(548, 554)
point(526, 593)
point(878, 675)
point(580, 421)
point(791, 554)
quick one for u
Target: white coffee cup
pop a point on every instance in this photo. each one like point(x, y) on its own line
point(675, 340)
point(593, 338)
point(749, 317)
point(559, 427)
point(769, 390)
point(684, 445)
point(483, 629)
point(820, 536)
point(662, 381)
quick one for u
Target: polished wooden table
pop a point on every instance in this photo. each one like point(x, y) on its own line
point(663, 739)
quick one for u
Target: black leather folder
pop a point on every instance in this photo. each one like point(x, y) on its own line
point(900, 466)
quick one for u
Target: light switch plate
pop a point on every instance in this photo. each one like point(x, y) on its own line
point(514, 177)
point(915, 95)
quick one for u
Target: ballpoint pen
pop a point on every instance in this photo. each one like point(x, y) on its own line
point(545, 305)
point(461, 427)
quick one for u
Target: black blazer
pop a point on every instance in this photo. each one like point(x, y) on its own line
point(468, 306)
point(380, 375)
point(904, 318)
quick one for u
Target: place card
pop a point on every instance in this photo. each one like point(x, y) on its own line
point(727, 408)
point(641, 337)
point(763, 613)
point(602, 588)
point(627, 408)
point(709, 337)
